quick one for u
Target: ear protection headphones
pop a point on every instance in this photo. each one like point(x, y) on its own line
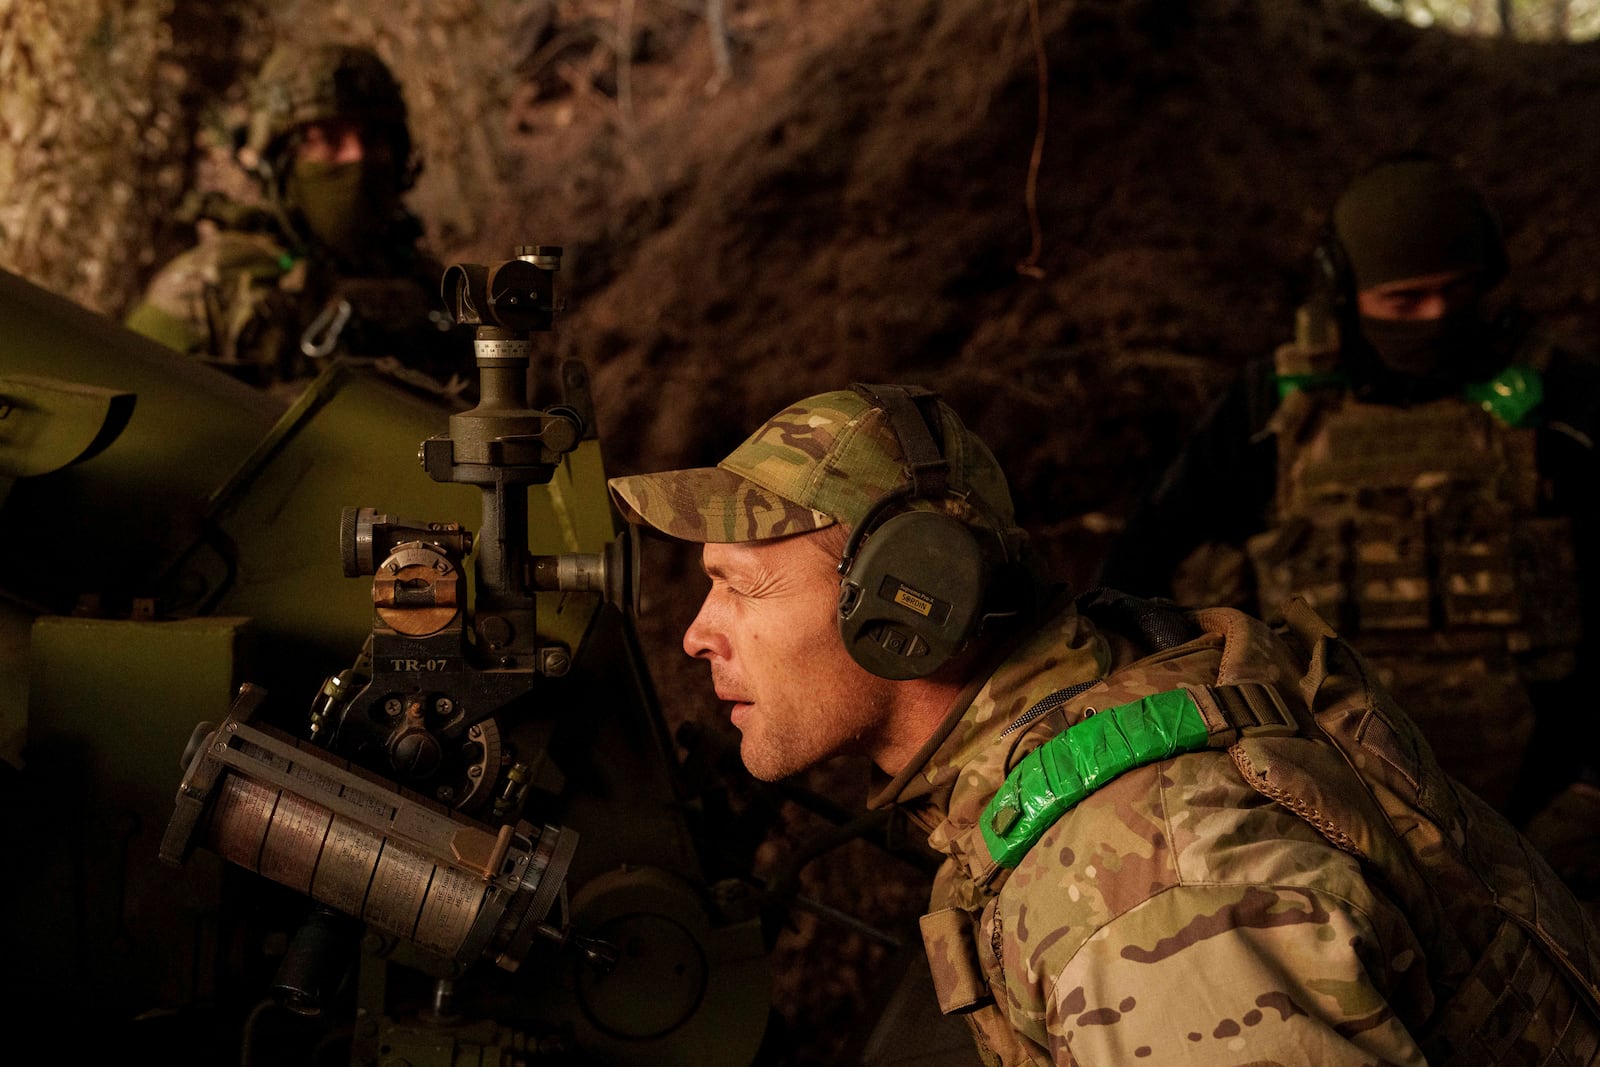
point(1334, 279)
point(914, 584)
point(1331, 276)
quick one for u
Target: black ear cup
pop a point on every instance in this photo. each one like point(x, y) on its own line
point(913, 595)
point(1331, 276)
point(914, 583)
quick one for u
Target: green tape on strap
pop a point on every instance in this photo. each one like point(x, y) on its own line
point(1068, 767)
point(1512, 396)
point(1295, 383)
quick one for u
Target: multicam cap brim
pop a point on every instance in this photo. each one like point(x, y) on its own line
point(712, 504)
point(827, 459)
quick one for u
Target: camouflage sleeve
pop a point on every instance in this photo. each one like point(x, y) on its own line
point(172, 309)
point(1226, 975)
point(230, 299)
point(159, 324)
point(1175, 915)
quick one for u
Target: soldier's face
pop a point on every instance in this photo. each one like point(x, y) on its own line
point(1425, 298)
point(335, 141)
point(769, 631)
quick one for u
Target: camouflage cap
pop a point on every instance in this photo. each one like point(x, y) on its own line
point(824, 460)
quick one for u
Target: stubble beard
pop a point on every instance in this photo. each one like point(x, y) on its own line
point(841, 725)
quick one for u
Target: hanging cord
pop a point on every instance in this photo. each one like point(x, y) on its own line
point(1030, 266)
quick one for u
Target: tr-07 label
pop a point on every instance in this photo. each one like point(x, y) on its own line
point(419, 666)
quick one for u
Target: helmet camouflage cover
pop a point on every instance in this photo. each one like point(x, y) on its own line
point(298, 85)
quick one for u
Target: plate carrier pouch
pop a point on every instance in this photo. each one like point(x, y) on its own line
point(1417, 532)
point(1512, 957)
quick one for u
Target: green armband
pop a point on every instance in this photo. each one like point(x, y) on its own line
point(1512, 396)
point(1068, 767)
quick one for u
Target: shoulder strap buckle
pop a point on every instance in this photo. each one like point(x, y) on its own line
point(1247, 709)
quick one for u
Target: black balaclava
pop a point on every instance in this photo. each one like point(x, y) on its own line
point(1405, 219)
point(347, 207)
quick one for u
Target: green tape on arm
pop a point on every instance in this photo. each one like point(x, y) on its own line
point(1062, 771)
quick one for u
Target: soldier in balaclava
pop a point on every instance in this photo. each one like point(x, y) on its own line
point(1418, 464)
point(1412, 254)
point(330, 262)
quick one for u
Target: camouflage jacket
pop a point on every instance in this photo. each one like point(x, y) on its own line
point(243, 301)
point(1186, 910)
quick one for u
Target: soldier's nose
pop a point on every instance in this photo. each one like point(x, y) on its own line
point(701, 640)
point(350, 148)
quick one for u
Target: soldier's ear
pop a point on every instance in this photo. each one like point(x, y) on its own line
point(243, 153)
point(238, 136)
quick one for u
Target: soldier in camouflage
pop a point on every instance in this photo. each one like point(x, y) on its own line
point(330, 264)
point(1420, 465)
point(1169, 834)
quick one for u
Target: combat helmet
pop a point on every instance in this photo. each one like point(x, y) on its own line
point(299, 84)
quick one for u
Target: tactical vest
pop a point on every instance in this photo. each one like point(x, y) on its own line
point(243, 303)
point(1512, 958)
point(1416, 531)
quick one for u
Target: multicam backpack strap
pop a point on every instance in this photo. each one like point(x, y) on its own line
point(1057, 775)
point(1050, 779)
point(1511, 954)
point(1516, 960)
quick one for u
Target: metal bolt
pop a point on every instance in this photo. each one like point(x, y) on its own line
point(554, 661)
